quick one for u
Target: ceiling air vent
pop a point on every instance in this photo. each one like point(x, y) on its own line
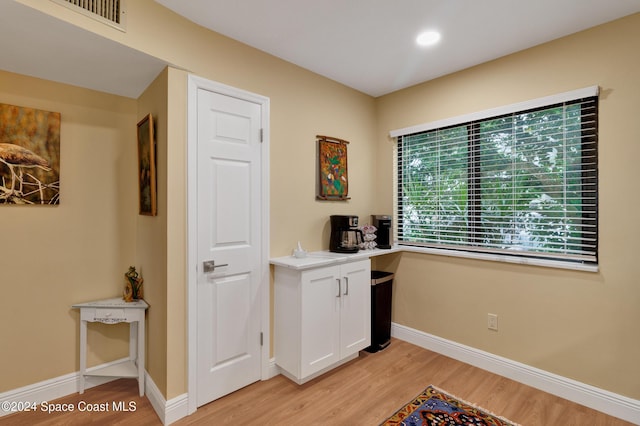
point(110, 12)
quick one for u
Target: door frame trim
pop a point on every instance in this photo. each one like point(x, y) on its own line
point(194, 84)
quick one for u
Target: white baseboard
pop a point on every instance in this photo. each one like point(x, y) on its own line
point(51, 389)
point(168, 411)
point(178, 407)
point(599, 399)
point(273, 369)
point(58, 387)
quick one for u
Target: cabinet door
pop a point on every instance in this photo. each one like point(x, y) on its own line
point(355, 300)
point(320, 322)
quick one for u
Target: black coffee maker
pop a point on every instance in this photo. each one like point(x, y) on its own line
point(345, 235)
point(384, 234)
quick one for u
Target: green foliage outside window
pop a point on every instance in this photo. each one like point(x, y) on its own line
point(524, 182)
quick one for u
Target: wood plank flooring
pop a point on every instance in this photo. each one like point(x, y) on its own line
point(363, 392)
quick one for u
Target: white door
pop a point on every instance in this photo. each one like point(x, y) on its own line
point(320, 319)
point(229, 234)
point(355, 310)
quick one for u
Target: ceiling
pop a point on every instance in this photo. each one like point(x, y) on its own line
point(369, 44)
point(365, 44)
point(38, 45)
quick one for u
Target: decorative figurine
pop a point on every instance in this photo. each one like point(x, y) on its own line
point(369, 237)
point(133, 285)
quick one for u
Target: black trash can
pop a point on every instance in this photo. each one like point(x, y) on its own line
point(381, 284)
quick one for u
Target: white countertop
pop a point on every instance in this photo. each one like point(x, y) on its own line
point(115, 302)
point(325, 258)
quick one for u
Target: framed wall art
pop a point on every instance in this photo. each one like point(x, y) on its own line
point(333, 180)
point(29, 156)
point(147, 166)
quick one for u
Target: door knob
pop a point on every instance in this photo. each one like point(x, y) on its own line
point(210, 265)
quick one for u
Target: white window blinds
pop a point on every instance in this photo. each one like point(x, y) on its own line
point(521, 180)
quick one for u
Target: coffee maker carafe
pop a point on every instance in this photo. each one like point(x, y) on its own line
point(345, 235)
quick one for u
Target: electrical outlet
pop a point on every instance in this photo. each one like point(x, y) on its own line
point(492, 321)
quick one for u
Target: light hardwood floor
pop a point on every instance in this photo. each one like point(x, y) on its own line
point(363, 392)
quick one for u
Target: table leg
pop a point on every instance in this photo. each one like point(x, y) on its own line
point(133, 341)
point(83, 353)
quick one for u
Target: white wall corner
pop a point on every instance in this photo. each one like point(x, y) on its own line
point(599, 399)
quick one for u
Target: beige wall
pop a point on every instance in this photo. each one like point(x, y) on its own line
point(53, 257)
point(303, 105)
point(579, 325)
point(176, 234)
point(161, 240)
point(151, 234)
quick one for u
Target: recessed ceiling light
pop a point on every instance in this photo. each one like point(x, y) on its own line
point(428, 38)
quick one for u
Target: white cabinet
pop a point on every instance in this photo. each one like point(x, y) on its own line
point(322, 317)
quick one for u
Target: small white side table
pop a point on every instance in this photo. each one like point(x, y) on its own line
point(113, 311)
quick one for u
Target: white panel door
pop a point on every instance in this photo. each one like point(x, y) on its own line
point(320, 319)
point(228, 244)
point(355, 311)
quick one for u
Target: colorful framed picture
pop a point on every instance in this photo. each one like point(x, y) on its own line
point(147, 166)
point(29, 156)
point(333, 180)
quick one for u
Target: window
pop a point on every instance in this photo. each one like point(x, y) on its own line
point(521, 180)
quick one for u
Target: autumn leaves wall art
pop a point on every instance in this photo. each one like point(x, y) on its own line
point(29, 156)
point(332, 167)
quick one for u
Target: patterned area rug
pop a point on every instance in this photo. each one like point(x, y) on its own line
point(435, 407)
